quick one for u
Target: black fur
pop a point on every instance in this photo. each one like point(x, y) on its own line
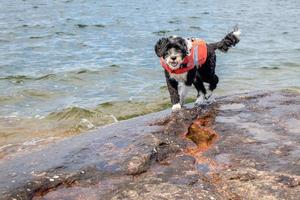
point(164, 44)
point(198, 75)
point(161, 47)
point(228, 41)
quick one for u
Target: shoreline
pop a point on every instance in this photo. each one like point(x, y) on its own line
point(34, 132)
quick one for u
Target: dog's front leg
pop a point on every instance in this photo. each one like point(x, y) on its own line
point(173, 90)
point(183, 91)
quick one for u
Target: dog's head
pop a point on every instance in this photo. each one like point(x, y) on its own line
point(172, 50)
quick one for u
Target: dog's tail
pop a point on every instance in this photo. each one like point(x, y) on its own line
point(231, 39)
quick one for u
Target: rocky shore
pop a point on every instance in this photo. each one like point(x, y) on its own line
point(243, 146)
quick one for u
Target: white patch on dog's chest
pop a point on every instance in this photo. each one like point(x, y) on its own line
point(179, 77)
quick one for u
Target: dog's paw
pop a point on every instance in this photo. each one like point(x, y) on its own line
point(205, 99)
point(210, 100)
point(176, 106)
point(199, 101)
point(208, 95)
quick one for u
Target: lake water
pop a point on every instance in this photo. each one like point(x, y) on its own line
point(67, 66)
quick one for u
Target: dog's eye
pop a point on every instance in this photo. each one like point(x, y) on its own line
point(165, 55)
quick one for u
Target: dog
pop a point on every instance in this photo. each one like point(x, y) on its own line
point(191, 61)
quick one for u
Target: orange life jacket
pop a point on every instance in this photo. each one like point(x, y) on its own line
point(197, 57)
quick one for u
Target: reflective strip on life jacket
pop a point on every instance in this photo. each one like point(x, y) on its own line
point(199, 51)
point(195, 53)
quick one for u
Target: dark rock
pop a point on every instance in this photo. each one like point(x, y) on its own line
point(288, 181)
point(242, 147)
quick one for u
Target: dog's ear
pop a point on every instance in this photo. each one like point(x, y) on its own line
point(160, 46)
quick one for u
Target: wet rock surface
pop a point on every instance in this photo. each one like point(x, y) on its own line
point(241, 147)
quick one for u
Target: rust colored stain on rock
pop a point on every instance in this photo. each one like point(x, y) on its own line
point(202, 133)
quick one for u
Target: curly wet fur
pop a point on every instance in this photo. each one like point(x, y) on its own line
point(174, 49)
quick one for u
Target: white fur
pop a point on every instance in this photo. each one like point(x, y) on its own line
point(200, 100)
point(174, 64)
point(205, 99)
point(210, 100)
point(237, 33)
point(182, 91)
point(182, 88)
point(179, 77)
point(176, 106)
point(208, 94)
point(189, 45)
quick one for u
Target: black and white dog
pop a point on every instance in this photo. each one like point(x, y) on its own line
point(190, 61)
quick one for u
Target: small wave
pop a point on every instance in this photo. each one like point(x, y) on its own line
point(75, 119)
point(271, 68)
point(99, 25)
point(5, 99)
point(47, 76)
point(4, 41)
point(40, 94)
point(114, 65)
point(102, 114)
point(16, 78)
point(281, 65)
point(62, 76)
point(176, 21)
point(20, 96)
point(72, 113)
point(86, 25)
point(195, 27)
point(64, 33)
point(290, 64)
point(109, 69)
point(23, 78)
point(81, 25)
point(161, 32)
point(165, 32)
point(95, 71)
point(39, 37)
point(122, 110)
point(34, 26)
point(194, 17)
point(82, 71)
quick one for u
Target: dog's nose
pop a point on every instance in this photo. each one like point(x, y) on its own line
point(173, 57)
